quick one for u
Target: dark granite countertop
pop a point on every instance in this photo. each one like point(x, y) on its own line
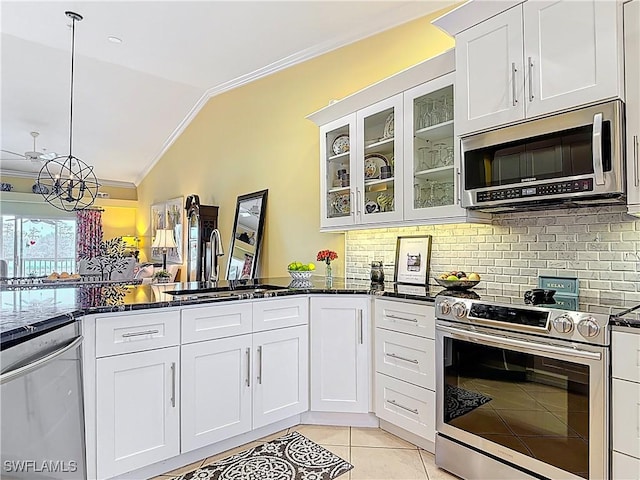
point(29, 310)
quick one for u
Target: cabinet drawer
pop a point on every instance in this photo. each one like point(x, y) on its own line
point(626, 417)
point(625, 355)
point(407, 406)
point(136, 332)
point(404, 317)
point(279, 313)
point(406, 357)
point(625, 467)
point(216, 321)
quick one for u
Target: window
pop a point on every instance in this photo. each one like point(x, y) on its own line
point(38, 246)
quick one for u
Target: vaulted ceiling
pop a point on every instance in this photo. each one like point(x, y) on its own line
point(132, 98)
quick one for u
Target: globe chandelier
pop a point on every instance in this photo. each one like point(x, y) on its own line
point(69, 183)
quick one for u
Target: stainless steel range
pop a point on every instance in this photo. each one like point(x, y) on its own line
point(522, 390)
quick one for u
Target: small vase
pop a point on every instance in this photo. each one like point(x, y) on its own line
point(328, 275)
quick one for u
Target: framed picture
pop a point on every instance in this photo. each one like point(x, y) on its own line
point(413, 258)
point(168, 215)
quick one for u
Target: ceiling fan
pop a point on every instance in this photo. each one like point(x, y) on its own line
point(33, 156)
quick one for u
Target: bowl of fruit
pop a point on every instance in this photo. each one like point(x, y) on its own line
point(458, 280)
point(301, 271)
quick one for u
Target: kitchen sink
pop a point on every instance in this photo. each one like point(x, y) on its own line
point(230, 291)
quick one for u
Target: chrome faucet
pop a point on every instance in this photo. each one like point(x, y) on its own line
point(216, 251)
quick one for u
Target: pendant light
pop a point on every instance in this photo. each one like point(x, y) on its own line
point(70, 183)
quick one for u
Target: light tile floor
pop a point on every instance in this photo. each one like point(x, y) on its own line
point(374, 454)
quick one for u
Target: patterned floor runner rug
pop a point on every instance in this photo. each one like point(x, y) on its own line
point(290, 457)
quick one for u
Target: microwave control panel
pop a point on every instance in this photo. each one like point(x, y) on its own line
point(556, 188)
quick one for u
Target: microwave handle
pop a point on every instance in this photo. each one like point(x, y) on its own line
point(597, 149)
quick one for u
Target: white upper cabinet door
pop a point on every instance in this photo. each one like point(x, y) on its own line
point(489, 73)
point(216, 391)
point(379, 162)
point(337, 175)
point(571, 54)
point(632, 96)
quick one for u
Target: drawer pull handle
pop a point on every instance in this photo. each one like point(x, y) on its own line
point(396, 404)
point(361, 327)
point(138, 334)
point(393, 355)
point(396, 317)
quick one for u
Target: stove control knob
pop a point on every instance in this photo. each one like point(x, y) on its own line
point(459, 309)
point(563, 324)
point(445, 307)
point(588, 327)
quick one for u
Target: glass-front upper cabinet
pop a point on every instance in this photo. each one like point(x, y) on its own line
point(379, 182)
point(337, 157)
point(430, 152)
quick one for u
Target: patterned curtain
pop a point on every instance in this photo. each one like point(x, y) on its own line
point(89, 233)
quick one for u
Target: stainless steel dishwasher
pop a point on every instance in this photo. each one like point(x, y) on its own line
point(41, 407)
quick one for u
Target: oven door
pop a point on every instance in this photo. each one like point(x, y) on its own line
point(538, 406)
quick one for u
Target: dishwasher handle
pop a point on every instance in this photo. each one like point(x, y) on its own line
point(40, 362)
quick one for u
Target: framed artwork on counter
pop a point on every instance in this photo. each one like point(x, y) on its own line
point(413, 259)
point(168, 215)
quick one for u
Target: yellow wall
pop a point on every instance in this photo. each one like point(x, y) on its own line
point(256, 137)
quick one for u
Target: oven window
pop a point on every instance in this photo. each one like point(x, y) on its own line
point(552, 156)
point(532, 404)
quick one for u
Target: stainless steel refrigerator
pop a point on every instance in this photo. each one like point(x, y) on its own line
point(201, 221)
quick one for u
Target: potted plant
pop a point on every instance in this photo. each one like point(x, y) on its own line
point(161, 276)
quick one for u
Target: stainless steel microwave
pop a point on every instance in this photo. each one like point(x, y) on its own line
point(573, 158)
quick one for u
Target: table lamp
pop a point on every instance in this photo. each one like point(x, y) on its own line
point(164, 239)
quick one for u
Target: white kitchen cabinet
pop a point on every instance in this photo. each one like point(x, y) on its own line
point(236, 384)
point(632, 96)
point(489, 75)
point(340, 350)
point(536, 58)
point(405, 366)
point(371, 145)
point(625, 421)
point(281, 363)
point(216, 390)
point(138, 405)
point(337, 158)
point(379, 134)
point(355, 189)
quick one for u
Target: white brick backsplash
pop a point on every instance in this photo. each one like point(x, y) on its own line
point(623, 286)
point(612, 276)
point(599, 265)
point(622, 227)
point(599, 285)
point(598, 227)
point(600, 246)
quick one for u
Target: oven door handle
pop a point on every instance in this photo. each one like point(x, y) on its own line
point(40, 362)
point(526, 347)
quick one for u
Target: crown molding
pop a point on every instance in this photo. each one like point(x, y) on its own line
point(101, 181)
point(274, 67)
